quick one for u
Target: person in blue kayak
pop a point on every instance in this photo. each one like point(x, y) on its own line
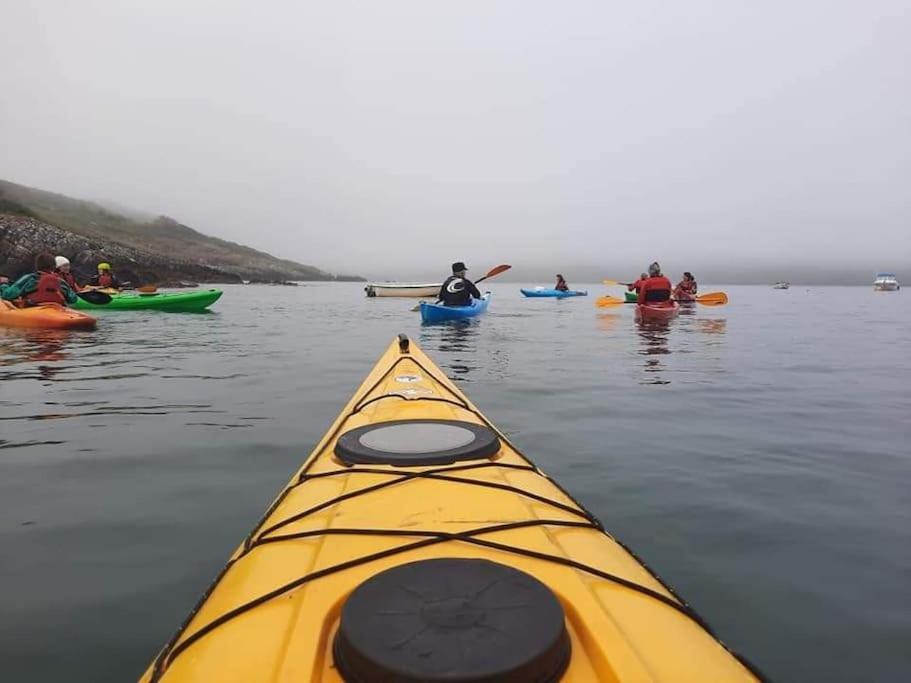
point(561, 285)
point(458, 290)
point(44, 286)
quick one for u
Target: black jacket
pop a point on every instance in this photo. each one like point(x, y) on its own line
point(458, 291)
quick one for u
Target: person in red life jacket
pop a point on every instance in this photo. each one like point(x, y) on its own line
point(637, 285)
point(656, 287)
point(561, 285)
point(458, 290)
point(43, 286)
point(105, 277)
point(686, 289)
point(63, 271)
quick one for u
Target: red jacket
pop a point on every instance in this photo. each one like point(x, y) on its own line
point(650, 288)
point(636, 286)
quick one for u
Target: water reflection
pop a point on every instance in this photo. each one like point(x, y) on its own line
point(34, 346)
point(653, 344)
point(458, 340)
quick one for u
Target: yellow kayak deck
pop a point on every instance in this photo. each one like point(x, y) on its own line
point(274, 611)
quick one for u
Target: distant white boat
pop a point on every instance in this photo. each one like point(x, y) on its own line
point(781, 285)
point(886, 282)
point(409, 289)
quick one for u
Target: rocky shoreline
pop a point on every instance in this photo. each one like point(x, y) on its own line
point(22, 237)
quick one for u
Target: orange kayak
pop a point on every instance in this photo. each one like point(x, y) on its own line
point(45, 316)
point(658, 310)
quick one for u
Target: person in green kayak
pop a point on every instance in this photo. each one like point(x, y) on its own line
point(637, 285)
point(105, 277)
point(44, 286)
point(458, 290)
point(561, 285)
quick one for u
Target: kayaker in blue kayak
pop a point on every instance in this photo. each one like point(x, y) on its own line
point(561, 285)
point(458, 290)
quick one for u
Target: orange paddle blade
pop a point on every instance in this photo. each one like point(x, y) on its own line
point(147, 289)
point(610, 282)
point(496, 270)
point(712, 299)
point(604, 301)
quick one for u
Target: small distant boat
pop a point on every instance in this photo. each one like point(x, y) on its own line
point(409, 289)
point(886, 282)
point(781, 285)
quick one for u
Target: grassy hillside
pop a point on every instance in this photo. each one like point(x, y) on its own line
point(161, 235)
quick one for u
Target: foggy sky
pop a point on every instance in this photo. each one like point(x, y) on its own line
point(390, 138)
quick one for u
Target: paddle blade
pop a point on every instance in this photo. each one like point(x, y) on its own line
point(95, 297)
point(147, 289)
point(496, 270)
point(605, 301)
point(712, 299)
point(610, 282)
point(416, 307)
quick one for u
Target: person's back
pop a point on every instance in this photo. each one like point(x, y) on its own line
point(458, 290)
point(656, 288)
point(561, 285)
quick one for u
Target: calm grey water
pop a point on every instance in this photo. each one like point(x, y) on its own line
point(756, 455)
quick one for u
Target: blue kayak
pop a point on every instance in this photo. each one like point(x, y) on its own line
point(436, 313)
point(554, 293)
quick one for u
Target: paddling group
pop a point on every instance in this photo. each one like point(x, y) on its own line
point(52, 282)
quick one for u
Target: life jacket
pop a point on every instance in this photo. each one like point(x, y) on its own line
point(48, 290)
point(655, 289)
point(105, 279)
point(68, 279)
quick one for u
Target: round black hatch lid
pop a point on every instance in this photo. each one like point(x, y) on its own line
point(409, 443)
point(453, 620)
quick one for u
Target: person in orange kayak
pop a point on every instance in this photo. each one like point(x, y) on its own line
point(656, 287)
point(686, 289)
point(637, 285)
point(105, 277)
point(43, 286)
point(458, 290)
point(561, 285)
point(63, 271)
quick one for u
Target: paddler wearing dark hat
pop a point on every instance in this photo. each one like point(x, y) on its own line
point(458, 290)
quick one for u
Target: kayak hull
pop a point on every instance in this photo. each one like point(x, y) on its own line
point(402, 289)
point(44, 317)
point(630, 297)
point(659, 311)
point(553, 293)
point(278, 610)
point(436, 313)
point(176, 302)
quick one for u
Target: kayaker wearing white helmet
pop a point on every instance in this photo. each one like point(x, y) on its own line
point(62, 264)
point(458, 290)
point(656, 287)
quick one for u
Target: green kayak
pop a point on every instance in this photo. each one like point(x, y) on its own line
point(178, 302)
point(631, 297)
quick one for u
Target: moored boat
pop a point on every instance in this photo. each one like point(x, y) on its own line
point(781, 285)
point(406, 289)
point(886, 282)
point(417, 543)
